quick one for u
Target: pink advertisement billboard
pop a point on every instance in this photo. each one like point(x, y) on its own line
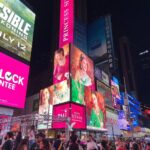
point(78, 116)
point(66, 22)
point(76, 113)
point(60, 114)
point(13, 81)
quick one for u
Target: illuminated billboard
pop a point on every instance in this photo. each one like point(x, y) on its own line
point(61, 64)
point(45, 109)
point(106, 92)
point(61, 92)
point(55, 94)
point(97, 47)
point(77, 94)
point(95, 112)
point(82, 68)
point(122, 121)
point(13, 82)
point(70, 111)
point(115, 93)
point(66, 28)
point(17, 25)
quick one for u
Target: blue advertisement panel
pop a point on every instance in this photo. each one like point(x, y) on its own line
point(97, 47)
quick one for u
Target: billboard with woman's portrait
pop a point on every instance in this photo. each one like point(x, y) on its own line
point(61, 64)
point(96, 113)
point(82, 68)
point(45, 108)
point(60, 92)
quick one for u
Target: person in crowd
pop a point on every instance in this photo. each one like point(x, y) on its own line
point(39, 137)
point(73, 144)
point(9, 144)
point(58, 143)
point(91, 145)
point(23, 145)
point(31, 135)
point(61, 66)
point(79, 145)
point(147, 146)
point(17, 140)
point(44, 145)
point(81, 74)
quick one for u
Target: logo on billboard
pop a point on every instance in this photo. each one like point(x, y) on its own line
point(10, 80)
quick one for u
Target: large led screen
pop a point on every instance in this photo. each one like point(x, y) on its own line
point(97, 47)
point(60, 115)
point(61, 92)
point(45, 109)
point(13, 82)
point(95, 111)
point(77, 94)
point(61, 64)
point(106, 92)
point(82, 68)
point(65, 112)
point(17, 25)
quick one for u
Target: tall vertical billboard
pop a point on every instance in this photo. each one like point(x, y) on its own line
point(17, 25)
point(66, 22)
point(13, 82)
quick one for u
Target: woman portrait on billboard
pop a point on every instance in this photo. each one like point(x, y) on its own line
point(81, 74)
point(44, 105)
point(97, 110)
point(61, 66)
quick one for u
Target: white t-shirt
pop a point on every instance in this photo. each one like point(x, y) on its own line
point(91, 145)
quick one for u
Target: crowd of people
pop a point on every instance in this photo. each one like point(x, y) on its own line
point(40, 142)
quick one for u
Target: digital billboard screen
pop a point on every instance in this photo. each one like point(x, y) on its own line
point(77, 94)
point(122, 120)
point(75, 112)
point(13, 82)
point(17, 25)
point(97, 47)
point(60, 92)
point(82, 68)
point(115, 94)
point(66, 28)
point(61, 64)
point(106, 92)
point(95, 111)
point(45, 108)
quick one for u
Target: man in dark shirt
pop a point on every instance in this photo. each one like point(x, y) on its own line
point(8, 145)
point(57, 142)
point(39, 137)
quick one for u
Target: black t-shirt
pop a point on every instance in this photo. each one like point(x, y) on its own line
point(74, 146)
point(57, 143)
point(8, 145)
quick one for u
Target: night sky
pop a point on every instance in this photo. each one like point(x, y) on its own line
point(130, 18)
